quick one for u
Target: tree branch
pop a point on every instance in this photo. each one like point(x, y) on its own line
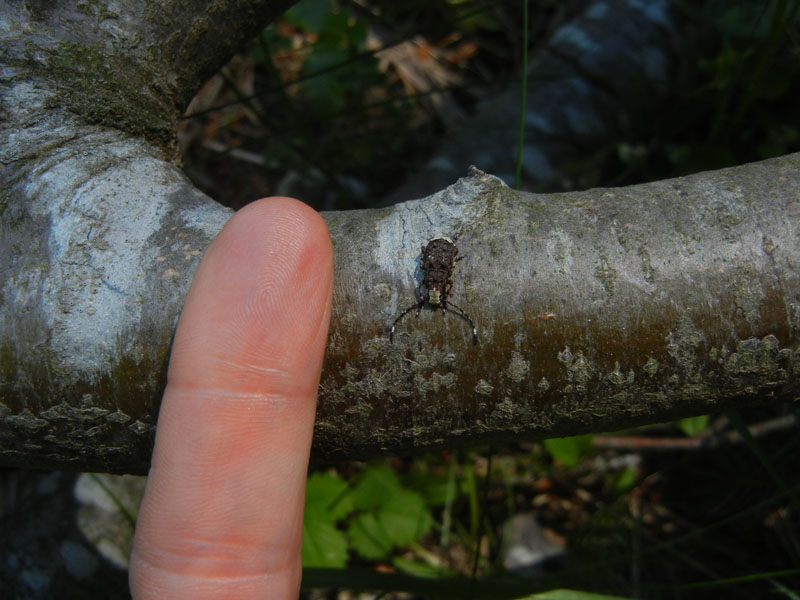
point(595, 310)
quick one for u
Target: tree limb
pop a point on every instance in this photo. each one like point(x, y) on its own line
point(595, 310)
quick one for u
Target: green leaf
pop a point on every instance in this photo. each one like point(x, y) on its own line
point(420, 569)
point(368, 538)
point(327, 498)
point(341, 29)
point(625, 480)
point(693, 425)
point(569, 450)
point(404, 518)
point(324, 57)
point(376, 488)
point(323, 545)
point(308, 14)
point(434, 487)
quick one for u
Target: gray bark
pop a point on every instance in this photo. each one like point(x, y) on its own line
point(595, 310)
point(101, 231)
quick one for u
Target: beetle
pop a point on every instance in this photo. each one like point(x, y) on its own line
point(438, 261)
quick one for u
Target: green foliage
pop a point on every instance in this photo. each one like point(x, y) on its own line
point(436, 488)
point(569, 450)
point(309, 14)
point(327, 497)
point(405, 518)
point(753, 71)
point(420, 569)
point(692, 426)
point(332, 75)
point(391, 515)
point(327, 501)
point(323, 544)
point(625, 480)
point(382, 514)
point(376, 487)
point(738, 101)
point(368, 537)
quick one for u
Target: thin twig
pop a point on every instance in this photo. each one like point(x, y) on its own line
point(705, 440)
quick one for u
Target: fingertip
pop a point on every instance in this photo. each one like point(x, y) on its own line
point(285, 217)
point(269, 271)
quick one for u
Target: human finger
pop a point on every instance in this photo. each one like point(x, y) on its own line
point(222, 514)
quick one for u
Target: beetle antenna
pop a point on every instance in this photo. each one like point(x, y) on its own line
point(459, 311)
point(418, 306)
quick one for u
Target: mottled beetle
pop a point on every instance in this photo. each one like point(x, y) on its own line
point(438, 261)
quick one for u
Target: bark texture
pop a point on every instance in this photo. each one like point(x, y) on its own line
point(595, 310)
point(100, 231)
point(130, 65)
